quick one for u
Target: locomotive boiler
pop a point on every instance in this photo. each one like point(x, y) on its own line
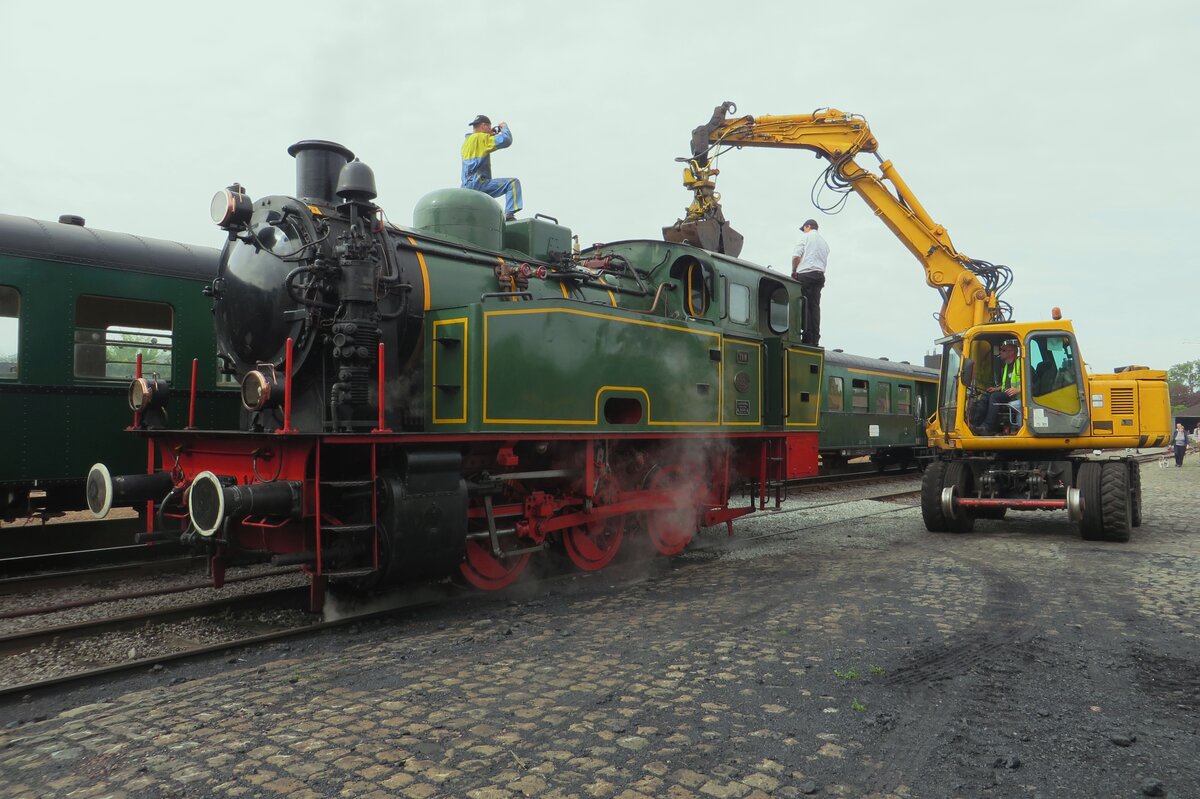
point(455, 397)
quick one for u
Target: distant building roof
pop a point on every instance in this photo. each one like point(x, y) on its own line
point(1192, 411)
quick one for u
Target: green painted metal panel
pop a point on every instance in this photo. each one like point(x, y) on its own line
point(742, 365)
point(565, 367)
point(804, 378)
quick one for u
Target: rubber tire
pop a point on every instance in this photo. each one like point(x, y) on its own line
point(1116, 502)
point(1087, 480)
point(1135, 493)
point(931, 497)
point(941, 475)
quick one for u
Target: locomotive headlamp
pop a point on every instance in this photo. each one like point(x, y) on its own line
point(231, 208)
point(261, 389)
point(147, 393)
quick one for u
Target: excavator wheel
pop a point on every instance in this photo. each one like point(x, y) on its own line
point(939, 476)
point(1135, 493)
point(1116, 504)
point(931, 497)
point(1091, 524)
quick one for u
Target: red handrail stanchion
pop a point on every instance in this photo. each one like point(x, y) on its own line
point(287, 389)
point(380, 397)
point(192, 400)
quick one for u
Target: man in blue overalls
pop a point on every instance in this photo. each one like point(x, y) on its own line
point(477, 164)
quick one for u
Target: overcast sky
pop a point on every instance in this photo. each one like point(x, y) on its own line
point(1057, 138)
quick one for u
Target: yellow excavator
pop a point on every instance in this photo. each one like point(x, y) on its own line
point(1061, 439)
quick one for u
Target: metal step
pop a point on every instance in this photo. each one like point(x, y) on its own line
point(347, 528)
point(346, 483)
point(349, 573)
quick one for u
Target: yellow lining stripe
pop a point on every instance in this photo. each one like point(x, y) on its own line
point(424, 270)
point(893, 375)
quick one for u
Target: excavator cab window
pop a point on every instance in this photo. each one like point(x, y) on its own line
point(1057, 403)
point(948, 390)
point(983, 372)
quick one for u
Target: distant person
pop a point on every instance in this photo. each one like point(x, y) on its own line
point(1180, 441)
point(1007, 391)
point(808, 267)
point(477, 164)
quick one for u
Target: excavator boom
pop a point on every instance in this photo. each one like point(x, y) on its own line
point(969, 289)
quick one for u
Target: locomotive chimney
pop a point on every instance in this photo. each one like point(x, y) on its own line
point(318, 164)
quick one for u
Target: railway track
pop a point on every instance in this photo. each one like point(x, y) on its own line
point(142, 594)
point(174, 625)
point(292, 624)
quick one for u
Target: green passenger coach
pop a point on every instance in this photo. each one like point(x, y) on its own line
point(877, 408)
point(77, 306)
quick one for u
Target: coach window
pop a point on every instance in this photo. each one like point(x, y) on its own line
point(858, 396)
point(836, 402)
point(883, 398)
point(739, 303)
point(10, 330)
point(111, 331)
point(904, 400)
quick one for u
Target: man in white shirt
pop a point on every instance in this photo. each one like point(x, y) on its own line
point(808, 267)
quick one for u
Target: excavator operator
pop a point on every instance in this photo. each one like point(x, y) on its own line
point(1007, 392)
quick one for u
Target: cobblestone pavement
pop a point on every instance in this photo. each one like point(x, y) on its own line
point(856, 655)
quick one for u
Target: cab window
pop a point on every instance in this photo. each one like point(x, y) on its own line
point(777, 305)
point(110, 332)
point(10, 329)
point(739, 303)
point(696, 281)
point(1054, 373)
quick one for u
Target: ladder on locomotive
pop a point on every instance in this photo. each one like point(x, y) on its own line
point(355, 486)
point(774, 472)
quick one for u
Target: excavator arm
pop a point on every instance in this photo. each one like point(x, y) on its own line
point(969, 289)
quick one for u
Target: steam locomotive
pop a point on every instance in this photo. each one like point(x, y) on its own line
point(454, 398)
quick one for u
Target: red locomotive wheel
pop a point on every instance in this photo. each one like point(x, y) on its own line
point(593, 546)
point(485, 571)
point(672, 530)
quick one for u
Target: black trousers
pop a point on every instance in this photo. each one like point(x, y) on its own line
point(811, 284)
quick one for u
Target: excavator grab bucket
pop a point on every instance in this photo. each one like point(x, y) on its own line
point(707, 234)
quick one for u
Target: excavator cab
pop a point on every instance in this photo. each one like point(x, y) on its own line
point(1052, 402)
